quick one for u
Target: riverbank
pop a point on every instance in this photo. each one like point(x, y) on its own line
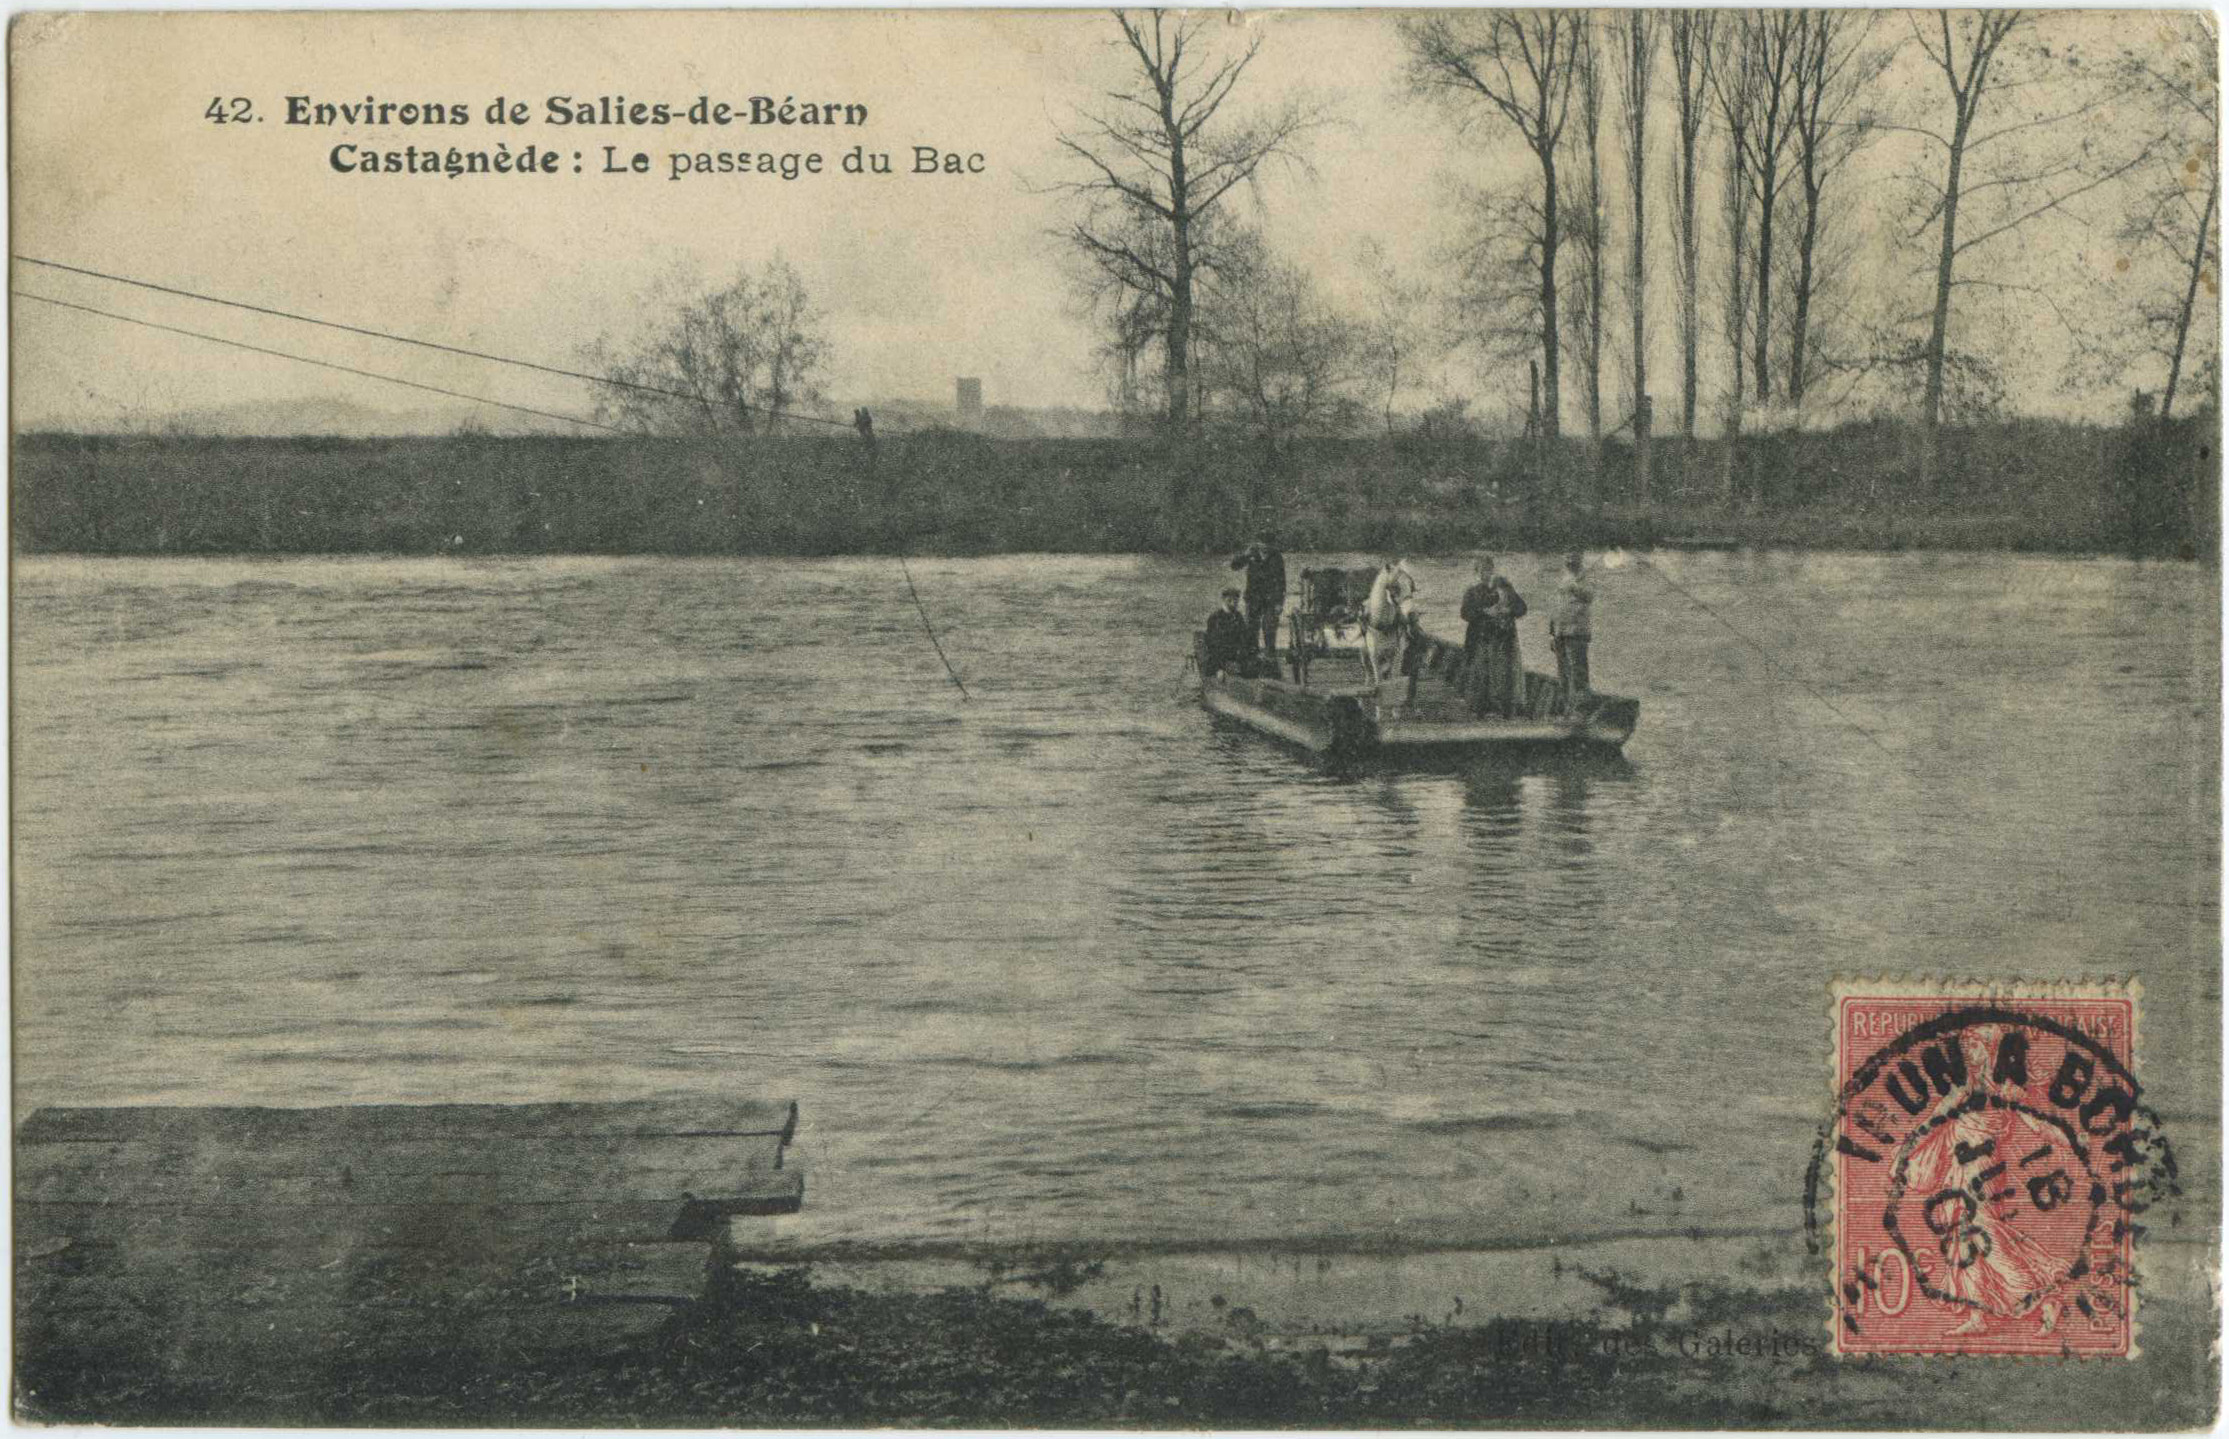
point(2016, 485)
point(782, 1349)
point(1658, 1332)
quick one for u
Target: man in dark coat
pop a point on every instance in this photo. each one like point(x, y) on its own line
point(1230, 640)
point(1265, 588)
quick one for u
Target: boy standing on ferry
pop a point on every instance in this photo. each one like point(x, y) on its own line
point(1571, 629)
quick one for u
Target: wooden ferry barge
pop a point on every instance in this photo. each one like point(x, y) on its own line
point(1319, 693)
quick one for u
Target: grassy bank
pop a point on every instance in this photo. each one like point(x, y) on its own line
point(2021, 485)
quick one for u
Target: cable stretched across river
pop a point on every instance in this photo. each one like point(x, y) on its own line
point(1769, 657)
point(911, 588)
point(307, 360)
point(615, 381)
point(930, 628)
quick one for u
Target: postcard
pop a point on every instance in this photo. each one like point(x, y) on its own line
point(1214, 719)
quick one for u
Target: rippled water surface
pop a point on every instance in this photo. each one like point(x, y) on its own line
point(1075, 959)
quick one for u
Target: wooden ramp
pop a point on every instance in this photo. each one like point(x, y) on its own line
point(230, 1236)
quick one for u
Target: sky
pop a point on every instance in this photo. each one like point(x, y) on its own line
point(116, 167)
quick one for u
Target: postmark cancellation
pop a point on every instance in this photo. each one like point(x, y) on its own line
point(1980, 1186)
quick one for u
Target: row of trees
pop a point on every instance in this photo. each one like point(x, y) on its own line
point(1839, 200)
point(1789, 277)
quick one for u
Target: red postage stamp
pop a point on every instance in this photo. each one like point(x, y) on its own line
point(1985, 1170)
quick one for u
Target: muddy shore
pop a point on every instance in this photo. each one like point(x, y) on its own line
point(1651, 1332)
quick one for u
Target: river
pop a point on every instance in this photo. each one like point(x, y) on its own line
point(1073, 959)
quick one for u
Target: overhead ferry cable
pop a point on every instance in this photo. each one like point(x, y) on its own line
point(431, 389)
point(405, 340)
point(321, 364)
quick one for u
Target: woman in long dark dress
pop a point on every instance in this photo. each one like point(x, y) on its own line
point(1490, 635)
point(1505, 664)
point(1493, 672)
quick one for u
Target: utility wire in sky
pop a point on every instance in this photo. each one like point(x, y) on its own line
point(321, 364)
point(410, 340)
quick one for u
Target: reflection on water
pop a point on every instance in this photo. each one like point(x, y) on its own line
point(1076, 958)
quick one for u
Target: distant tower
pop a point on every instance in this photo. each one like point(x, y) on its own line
point(971, 399)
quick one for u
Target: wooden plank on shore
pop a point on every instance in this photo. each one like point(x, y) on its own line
point(349, 1181)
point(304, 1230)
point(368, 1123)
point(56, 1171)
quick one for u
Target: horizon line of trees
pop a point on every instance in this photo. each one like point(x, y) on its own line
point(1798, 295)
point(1715, 152)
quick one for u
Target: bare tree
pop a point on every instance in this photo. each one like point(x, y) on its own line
point(1398, 338)
point(1158, 159)
point(1989, 60)
point(1849, 335)
point(1691, 37)
point(1131, 311)
point(1135, 323)
point(747, 352)
point(1515, 66)
point(1734, 89)
point(2175, 210)
point(1963, 50)
point(1493, 278)
point(1275, 355)
point(1589, 232)
point(1836, 67)
point(1634, 36)
point(1765, 49)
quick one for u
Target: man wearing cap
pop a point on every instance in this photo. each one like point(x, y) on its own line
point(1230, 639)
point(1571, 629)
point(1265, 588)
